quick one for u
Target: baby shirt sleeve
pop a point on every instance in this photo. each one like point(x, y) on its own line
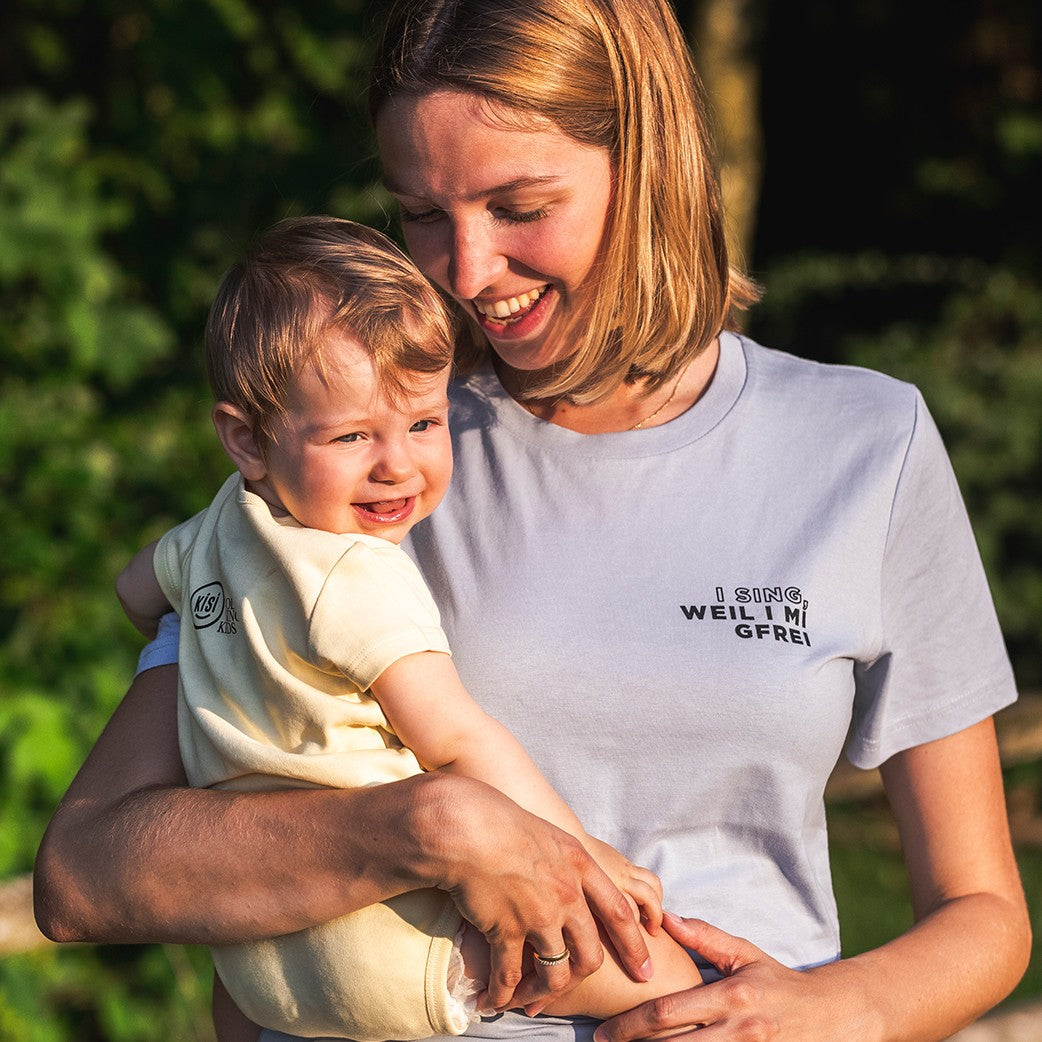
point(942, 665)
point(171, 556)
point(374, 608)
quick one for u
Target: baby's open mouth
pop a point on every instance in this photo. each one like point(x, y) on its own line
point(387, 510)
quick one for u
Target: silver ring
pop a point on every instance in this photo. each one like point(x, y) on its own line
point(553, 960)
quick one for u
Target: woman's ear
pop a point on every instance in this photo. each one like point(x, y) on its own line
point(236, 432)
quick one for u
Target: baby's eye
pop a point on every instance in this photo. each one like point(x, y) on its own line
point(422, 425)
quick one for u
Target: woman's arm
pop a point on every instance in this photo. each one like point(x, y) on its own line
point(969, 947)
point(133, 855)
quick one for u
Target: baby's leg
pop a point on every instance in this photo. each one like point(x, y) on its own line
point(610, 989)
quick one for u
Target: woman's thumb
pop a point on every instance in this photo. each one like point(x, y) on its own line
point(725, 951)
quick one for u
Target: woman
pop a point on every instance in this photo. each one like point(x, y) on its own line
point(686, 571)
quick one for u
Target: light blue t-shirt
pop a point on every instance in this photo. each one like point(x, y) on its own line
point(687, 625)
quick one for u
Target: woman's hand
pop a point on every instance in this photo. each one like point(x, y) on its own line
point(639, 884)
point(527, 885)
point(757, 999)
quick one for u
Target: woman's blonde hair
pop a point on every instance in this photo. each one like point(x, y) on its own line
point(303, 280)
point(615, 74)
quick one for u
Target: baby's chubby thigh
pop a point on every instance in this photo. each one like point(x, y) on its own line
point(609, 990)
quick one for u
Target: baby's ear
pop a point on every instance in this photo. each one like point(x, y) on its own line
point(236, 432)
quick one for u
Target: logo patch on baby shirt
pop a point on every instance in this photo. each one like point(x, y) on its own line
point(777, 613)
point(210, 604)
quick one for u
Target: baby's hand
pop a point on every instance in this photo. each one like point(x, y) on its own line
point(640, 885)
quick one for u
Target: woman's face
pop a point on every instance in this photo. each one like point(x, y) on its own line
point(506, 215)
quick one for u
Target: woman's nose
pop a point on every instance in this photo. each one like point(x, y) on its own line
point(475, 262)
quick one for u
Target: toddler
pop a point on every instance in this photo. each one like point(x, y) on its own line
point(311, 651)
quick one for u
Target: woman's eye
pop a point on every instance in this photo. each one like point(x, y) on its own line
point(419, 216)
point(349, 439)
point(519, 216)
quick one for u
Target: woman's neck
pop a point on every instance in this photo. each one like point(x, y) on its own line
point(629, 407)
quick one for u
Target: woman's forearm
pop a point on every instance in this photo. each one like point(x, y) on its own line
point(951, 967)
point(972, 939)
point(133, 854)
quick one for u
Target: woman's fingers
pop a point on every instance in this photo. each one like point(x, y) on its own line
point(504, 974)
point(551, 973)
point(673, 1015)
point(529, 886)
point(620, 927)
point(543, 981)
point(597, 902)
point(642, 886)
point(681, 1013)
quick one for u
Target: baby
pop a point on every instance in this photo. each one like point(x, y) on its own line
point(311, 651)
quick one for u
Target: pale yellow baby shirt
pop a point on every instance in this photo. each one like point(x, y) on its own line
point(283, 631)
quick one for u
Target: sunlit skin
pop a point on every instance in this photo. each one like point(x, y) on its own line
point(347, 457)
point(506, 213)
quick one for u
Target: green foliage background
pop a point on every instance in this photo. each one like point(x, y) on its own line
point(143, 143)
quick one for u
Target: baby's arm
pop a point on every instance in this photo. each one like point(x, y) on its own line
point(140, 594)
point(434, 715)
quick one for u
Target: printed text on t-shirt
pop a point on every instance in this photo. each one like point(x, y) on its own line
point(777, 613)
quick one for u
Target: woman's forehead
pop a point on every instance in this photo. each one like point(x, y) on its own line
point(459, 142)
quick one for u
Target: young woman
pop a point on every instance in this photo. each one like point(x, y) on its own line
point(686, 571)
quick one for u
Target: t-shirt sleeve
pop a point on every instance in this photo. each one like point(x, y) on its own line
point(162, 650)
point(373, 609)
point(171, 556)
point(943, 664)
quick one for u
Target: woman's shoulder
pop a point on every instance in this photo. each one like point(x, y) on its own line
point(785, 381)
point(787, 368)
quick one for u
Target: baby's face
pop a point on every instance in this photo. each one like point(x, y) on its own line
point(348, 459)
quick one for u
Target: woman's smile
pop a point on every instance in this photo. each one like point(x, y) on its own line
point(510, 310)
point(516, 317)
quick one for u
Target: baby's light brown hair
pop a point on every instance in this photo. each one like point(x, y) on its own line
point(307, 278)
